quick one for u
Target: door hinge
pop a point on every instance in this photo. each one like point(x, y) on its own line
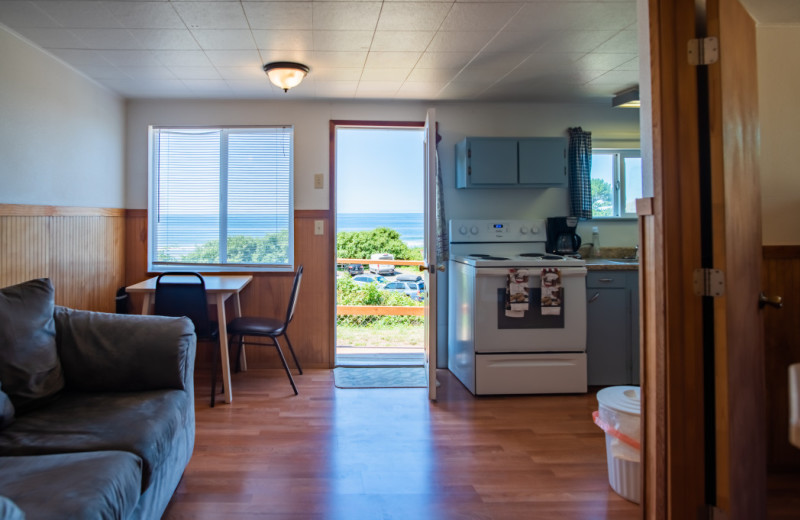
point(469, 153)
point(709, 282)
point(703, 51)
point(469, 170)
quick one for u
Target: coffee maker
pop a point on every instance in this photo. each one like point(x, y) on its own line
point(561, 236)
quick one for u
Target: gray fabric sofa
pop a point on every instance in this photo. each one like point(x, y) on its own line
point(96, 410)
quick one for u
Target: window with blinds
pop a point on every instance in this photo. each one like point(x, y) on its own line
point(221, 199)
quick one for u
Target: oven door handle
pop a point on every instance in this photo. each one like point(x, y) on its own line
point(496, 271)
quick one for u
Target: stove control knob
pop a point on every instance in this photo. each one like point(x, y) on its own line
point(463, 230)
point(474, 230)
point(534, 230)
point(523, 230)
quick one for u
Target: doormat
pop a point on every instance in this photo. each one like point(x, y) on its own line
point(375, 377)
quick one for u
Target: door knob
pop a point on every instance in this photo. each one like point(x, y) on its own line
point(764, 300)
point(432, 267)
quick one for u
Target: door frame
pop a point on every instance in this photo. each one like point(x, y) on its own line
point(333, 124)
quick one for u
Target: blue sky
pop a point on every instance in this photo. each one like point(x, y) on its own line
point(379, 170)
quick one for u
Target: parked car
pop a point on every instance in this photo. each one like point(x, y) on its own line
point(369, 278)
point(355, 269)
point(414, 290)
point(381, 268)
point(408, 277)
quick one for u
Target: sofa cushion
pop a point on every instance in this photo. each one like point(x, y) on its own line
point(30, 369)
point(9, 510)
point(144, 423)
point(6, 411)
point(102, 484)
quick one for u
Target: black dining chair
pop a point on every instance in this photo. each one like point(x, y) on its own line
point(271, 328)
point(184, 294)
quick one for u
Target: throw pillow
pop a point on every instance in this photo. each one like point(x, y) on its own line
point(29, 366)
point(6, 411)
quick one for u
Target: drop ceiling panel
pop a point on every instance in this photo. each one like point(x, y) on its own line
point(531, 50)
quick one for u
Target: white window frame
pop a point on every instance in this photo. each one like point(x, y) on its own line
point(618, 180)
point(152, 214)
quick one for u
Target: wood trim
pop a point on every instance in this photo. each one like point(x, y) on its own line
point(644, 207)
point(131, 213)
point(312, 213)
point(379, 310)
point(378, 262)
point(780, 252)
point(28, 210)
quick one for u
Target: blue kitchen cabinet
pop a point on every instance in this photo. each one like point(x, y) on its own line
point(507, 162)
point(543, 161)
point(612, 343)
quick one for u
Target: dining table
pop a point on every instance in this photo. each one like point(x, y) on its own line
point(219, 289)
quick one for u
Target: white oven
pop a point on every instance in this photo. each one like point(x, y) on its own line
point(492, 351)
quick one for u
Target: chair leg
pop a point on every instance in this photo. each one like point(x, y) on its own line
point(294, 356)
point(285, 366)
point(214, 368)
point(239, 354)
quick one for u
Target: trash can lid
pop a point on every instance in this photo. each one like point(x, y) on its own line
point(621, 398)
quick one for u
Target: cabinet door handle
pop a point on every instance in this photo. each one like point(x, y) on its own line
point(605, 280)
point(594, 297)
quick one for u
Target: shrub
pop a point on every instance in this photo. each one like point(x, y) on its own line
point(350, 293)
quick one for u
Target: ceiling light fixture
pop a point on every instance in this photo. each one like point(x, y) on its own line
point(285, 74)
point(626, 99)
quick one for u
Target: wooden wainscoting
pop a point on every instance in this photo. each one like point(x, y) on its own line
point(268, 294)
point(781, 277)
point(81, 250)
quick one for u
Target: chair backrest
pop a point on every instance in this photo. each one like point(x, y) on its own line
point(186, 297)
point(293, 298)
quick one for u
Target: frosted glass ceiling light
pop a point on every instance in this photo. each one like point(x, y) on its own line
point(285, 74)
point(626, 99)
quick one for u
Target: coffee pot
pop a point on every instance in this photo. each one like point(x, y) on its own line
point(568, 243)
point(561, 236)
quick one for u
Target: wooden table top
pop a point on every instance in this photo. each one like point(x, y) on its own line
point(215, 283)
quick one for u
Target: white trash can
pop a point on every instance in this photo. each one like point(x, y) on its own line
point(619, 415)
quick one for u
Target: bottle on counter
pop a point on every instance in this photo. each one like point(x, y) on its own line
point(595, 242)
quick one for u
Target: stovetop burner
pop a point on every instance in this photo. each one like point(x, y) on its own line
point(552, 257)
point(532, 255)
point(487, 257)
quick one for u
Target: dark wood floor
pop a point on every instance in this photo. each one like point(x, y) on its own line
point(388, 454)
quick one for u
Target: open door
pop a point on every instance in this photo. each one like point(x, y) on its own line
point(430, 266)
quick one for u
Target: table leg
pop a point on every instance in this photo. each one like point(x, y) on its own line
point(223, 346)
point(237, 309)
point(146, 304)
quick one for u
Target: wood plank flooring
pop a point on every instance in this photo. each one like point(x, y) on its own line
point(391, 454)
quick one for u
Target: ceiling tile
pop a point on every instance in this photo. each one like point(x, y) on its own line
point(80, 57)
point(224, 39)
point(518, 41)
point(414, 90)
point(17, 14)
point(557, 16)
point(149, 73)
point(575, 41)
point(208, 86)
point(622, 42)
point(279, 15)
point(345, 89)
point(100, 72)
point(284, 40)
point(389, 60)
point(340, 16)
point(336, 75)
point(241, 73)
point(131, 58)
point(479, 16)
point(497, 61)
point(384, 74)
point(270, 55)
point(195, 72)
point(52, 38)
point(416, 16)
point(251, 88)
point(444, 60)
point(632, 64)
point(342, 40)
point(438, 76)
point(107, 38)
point(70, 13)
point(212, 15)
point(145, 89)
point(182, 58)
point(603, 61)
point(401, 40)
point(622, 78)
point(165, 39)
point(234, 58)
point(378, 88)
point(550, 62)
point(146, 15)
point(338, 59)
point(471, 41)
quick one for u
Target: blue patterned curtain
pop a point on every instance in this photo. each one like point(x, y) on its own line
point(580, 171)
point(442, 240)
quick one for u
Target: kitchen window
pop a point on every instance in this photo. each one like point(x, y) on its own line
point(221, 199)
point(616, 181)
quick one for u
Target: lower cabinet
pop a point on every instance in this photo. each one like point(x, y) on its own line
point(612, 347)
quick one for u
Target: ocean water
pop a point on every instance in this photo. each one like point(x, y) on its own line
point(410, 225)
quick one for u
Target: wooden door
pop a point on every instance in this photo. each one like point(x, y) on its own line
point(430, 251)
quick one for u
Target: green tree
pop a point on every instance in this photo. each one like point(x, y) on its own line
point(269, 249)
point(602, 201)
point(362, 244)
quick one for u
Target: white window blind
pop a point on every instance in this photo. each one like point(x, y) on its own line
point(221, 198)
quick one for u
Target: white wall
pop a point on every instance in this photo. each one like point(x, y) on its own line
point(456, 120)
point(778, 88)
point(61, 135)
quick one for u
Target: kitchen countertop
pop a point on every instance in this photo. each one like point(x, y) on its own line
point(610, 264)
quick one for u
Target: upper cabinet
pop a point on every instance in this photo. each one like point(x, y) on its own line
point(503, 162)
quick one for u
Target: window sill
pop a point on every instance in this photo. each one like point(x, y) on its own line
point(211, 269)
point(613, 219)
